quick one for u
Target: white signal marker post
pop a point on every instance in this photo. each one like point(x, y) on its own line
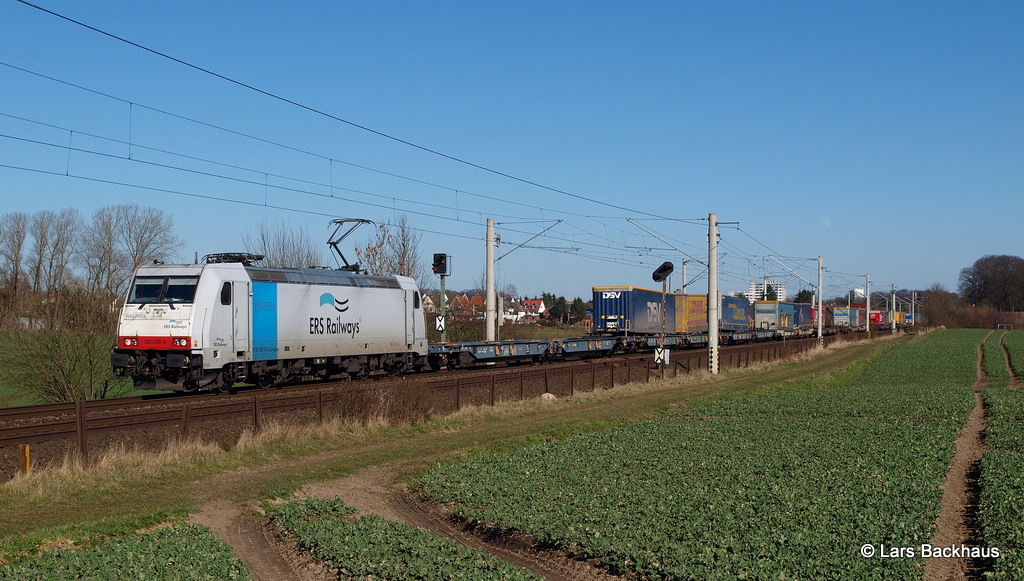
point(713, 303)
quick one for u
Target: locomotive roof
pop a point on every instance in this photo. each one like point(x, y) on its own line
point(320, 276)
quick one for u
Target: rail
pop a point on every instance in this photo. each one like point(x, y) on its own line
point(78, 423)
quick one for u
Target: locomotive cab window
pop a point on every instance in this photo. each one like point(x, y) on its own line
point(163, 289)
point(225, 294)
point(416, 300)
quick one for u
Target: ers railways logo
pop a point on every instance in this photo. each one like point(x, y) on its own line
point(332, 325)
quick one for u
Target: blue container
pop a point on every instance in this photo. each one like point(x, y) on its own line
point(804, 315)
point(622, 309)
point(736, 314)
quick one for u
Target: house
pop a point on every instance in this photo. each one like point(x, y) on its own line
point(532, 310)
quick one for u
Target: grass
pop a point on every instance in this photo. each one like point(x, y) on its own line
point(126, 492)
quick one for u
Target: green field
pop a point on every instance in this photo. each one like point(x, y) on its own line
point(373, 548)
point(183, 552)
point(782, 473)
point(786, 485)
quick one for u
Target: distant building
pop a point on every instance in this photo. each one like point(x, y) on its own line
point(755, 290)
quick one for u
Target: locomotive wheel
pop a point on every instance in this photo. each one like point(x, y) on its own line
point(265, 380)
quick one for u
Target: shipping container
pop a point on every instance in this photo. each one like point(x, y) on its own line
point(691, 313)
point(879, 318)
point(736, 314)
point(626, 309)
point(804, 315)
point(847, 317)
point(774, 315)
point(827, 321)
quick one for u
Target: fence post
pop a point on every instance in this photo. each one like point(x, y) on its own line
point(492, 389)
point(319, 406)
point(24, 459)
point(185, 412)
point(255, 412)
point(83, 448)
point(546, 381)
point(458, 394)
point(572, 380)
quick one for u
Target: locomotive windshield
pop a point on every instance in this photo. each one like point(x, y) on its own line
point(163, 289)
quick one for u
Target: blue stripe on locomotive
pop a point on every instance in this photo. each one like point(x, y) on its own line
point(264, 321)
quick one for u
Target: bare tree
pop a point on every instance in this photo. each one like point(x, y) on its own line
point(106, 263)
point(994, 280)
point(13, 240)
point(282, 246)
point(53, 244)
point(394, 249)
point(145, 234)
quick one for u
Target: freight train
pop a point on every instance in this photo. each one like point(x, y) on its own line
point(227, 321)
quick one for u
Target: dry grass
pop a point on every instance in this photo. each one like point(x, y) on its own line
point(119, 463)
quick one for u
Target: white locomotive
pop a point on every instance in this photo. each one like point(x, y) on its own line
point(193, 326)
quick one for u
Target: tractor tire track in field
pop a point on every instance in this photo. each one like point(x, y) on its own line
point(1015, 381)
point(254, 542)
point(958, 519)
point(370, 491)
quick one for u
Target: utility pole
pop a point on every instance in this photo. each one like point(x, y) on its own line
point(892, 314)
point(867, 303)
point(713, 303)
point(490, 309)
point(821, 312)
point(913, 309)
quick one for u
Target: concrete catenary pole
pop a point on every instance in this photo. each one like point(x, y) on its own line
point(491, 308)
point(867, 303)
point(821, 312)
point(714, 303)
point(892, 310)
point(913, 308)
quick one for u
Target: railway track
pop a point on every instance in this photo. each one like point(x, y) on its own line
point(149, 422)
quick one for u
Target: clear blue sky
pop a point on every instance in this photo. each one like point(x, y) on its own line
point(886, 137)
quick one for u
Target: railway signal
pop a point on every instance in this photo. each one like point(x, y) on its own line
point(440, 265)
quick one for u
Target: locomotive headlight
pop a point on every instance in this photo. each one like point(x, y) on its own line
point(131, 342)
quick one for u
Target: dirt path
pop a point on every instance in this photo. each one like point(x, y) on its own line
point(371, 491)
point(958, 519)
point(1015, 382)
point(257, 546)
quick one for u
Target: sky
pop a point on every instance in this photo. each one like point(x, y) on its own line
point(887, 138)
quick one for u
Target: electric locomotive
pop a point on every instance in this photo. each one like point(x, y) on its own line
point(192, 326)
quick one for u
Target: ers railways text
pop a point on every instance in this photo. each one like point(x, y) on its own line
point(328, 326)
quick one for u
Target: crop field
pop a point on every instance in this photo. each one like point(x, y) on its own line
point(1002, 481)
point(373, 548)
point(1014, 341)
point(187, 551)
point(784, 485)
point(995, 361)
